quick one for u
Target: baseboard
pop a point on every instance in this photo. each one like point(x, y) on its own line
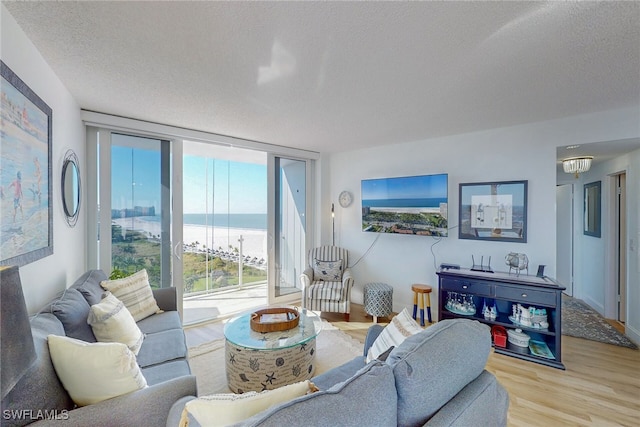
point(595, 305)
point(633, 334)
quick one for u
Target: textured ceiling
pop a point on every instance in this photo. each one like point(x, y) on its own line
point(333, 76)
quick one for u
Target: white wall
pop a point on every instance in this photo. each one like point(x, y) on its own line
point(44, 278)
point(526, 152)
point(594, 257)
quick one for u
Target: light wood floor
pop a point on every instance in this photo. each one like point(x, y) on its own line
point(600, 387)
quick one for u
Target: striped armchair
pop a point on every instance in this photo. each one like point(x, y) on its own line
point(327, 281)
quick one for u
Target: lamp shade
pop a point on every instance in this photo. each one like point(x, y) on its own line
point(17, 350)
point(577, 165)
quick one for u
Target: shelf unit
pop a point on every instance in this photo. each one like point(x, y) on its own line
point(508, 289)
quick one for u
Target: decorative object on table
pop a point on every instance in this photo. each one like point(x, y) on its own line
point(518, 338)
point(481, 266)
point(274, 319)
point(592, 209)
point(540, 272)
point(494, 211)
point(517, 261)
point(530, 317)
point(459, 303)
point(489, 311)
point(26, 207)
point(378, 300)
point(499, 335)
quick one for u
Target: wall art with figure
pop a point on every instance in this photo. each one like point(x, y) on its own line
point(26, 231)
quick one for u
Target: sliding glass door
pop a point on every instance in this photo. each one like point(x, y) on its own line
point(137, 218)
point(288, 227)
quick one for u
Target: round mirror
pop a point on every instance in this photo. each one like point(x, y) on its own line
point(71, 188)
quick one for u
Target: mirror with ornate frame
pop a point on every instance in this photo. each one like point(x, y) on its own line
point(71, 187)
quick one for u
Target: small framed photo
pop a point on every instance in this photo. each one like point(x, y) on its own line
point(495, 211)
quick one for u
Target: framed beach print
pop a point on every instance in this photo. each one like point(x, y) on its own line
point(494, 211)
point(26, 226)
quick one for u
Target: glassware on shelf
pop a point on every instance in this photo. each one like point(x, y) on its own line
point(459, 303)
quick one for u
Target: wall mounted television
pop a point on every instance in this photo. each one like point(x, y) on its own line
point(406, 205)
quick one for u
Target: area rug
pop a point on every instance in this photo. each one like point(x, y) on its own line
point(333, 347)
point(581, 321)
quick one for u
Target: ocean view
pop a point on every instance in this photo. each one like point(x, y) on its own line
point(244, 221)
point(433, 202)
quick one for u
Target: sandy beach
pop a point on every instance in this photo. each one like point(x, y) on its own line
point(254, 241)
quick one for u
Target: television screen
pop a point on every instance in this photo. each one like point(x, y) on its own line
point(406, 205)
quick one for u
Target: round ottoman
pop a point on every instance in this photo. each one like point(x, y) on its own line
point(378, 300)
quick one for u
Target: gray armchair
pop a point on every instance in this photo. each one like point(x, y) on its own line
point(327, 281)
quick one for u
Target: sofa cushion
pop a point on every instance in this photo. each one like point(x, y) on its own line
point(329, 291)
point(162, 347)
point(39, 389)
point(93, 372)
point(89, 285)
point(365, 391)
point(327, 270)
point(135, 292)
point(401, 326)
point(461, 345)
point(218, 410)
point(112, 322)
point(156, 374)
point(72, 309)
point(160, 322)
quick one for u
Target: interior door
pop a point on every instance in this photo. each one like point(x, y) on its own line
point(288, 226)
point(564, 236)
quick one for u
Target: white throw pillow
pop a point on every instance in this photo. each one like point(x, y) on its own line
point(228, 408)
point(112, 322)
point(400, 327)
point(93, 372)
point(135, 292)
point(330, 271)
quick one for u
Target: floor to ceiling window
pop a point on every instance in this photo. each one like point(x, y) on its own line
point(224, 224)
point(224, 229)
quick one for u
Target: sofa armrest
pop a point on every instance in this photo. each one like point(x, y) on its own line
point(147, 407)
point(372, 334)
point(167, 298)
point(482, 399)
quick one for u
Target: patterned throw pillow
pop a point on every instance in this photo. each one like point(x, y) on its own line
point(135, 292)
point(330, 271)
point(401, 327)
point(111, 322)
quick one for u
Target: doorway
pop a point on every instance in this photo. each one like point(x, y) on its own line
point(564, 236)
point(620, 209)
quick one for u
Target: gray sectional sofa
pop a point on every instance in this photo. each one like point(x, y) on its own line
point(162, 359)
point(434, 378)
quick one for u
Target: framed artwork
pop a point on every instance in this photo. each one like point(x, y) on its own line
point(592, 209)
point(495, 211)
point(26, 225)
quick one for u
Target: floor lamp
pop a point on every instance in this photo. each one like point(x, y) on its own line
point(333, 226)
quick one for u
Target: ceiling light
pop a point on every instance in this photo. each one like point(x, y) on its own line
point(577, 165)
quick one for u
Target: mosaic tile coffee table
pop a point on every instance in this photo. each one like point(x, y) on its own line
point(258, 361)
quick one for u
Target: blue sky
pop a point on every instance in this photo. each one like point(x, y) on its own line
point(424, 186)
point(245, 182)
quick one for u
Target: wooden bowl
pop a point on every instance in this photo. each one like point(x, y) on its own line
point(274, 319)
